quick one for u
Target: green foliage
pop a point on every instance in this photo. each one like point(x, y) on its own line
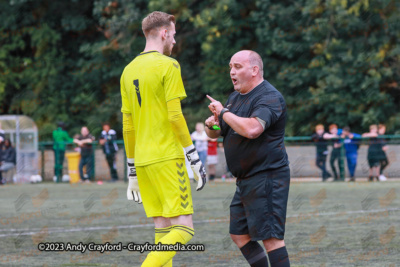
point(334, 61)
point(338, 60)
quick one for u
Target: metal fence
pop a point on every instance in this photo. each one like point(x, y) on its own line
point(302, 155)
point(301, 152)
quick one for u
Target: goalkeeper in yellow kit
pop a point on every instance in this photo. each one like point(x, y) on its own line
point(155, 131)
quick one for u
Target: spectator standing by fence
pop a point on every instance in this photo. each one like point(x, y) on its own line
point(212, 157)
point(200, 138)
point(108, 139)
point(335, 154)
point(84, 141)
point(60, 138)
point(321, 145)
point(9, 158)
point(351, 144)
point(320, 137)
point(382, 153)
point(373, 152)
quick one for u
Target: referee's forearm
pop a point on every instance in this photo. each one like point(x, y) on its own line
point(238, 124)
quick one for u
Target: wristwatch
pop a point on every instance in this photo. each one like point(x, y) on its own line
point(223, 111)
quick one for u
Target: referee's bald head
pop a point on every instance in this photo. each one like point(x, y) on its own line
point(254, 59)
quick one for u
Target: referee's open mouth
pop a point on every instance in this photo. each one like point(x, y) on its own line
point(234, 81)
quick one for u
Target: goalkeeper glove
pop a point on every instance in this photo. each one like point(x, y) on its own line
point(133, 192)
point(197, 167)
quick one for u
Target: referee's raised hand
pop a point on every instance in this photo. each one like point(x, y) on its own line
point(215, 106)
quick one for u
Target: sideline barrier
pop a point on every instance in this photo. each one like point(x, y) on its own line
point(300, 149)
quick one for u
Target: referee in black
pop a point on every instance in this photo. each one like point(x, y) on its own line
point(252, 123)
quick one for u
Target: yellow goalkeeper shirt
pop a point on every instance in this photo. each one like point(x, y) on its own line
point(147, 84)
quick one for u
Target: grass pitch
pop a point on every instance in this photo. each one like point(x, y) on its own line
point(328, 224)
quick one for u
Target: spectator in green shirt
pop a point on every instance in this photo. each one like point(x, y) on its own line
point(60, 138)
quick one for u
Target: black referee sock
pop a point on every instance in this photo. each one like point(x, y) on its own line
point(279, 257)
point(254, 254)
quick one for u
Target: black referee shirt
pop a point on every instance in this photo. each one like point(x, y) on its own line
point(246, 157)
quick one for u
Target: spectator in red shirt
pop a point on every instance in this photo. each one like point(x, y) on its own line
point(212, 157)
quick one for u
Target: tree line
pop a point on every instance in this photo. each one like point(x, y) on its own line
point(334, 61)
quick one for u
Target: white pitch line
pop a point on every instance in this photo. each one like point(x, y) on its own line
point(82, 229)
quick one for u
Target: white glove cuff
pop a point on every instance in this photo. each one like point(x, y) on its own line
point(131, 161)
point(191, 147)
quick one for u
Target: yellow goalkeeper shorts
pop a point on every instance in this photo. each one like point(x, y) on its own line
point(165, 188)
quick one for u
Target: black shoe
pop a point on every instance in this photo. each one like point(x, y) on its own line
point(329, 175)
point(352, 179)
point(370, 179)
point(377, 178)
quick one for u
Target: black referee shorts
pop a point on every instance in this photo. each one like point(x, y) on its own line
point(258, 207)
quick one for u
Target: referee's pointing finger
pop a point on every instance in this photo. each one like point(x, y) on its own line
point(211, 99)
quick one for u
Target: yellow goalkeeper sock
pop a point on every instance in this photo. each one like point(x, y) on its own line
point(160, 233)
point(178, 234)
